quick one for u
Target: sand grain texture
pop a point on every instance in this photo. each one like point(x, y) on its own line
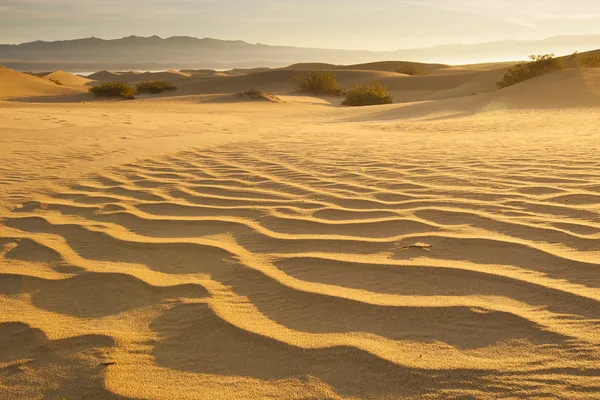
point(176, 248)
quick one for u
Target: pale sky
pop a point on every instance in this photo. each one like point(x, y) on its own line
point(344, 24)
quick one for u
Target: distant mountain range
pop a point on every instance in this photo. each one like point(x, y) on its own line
point(134, 52)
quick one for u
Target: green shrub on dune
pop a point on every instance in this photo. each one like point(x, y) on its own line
point(155, 87)
point(539, 65)
point(113, 90)
point(318, 83)
point(367, 95)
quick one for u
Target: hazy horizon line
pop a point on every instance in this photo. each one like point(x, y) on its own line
point(306, 47)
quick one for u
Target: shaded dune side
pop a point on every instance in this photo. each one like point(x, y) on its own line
point(226, 349)
point(80, 295)
point(66, 367)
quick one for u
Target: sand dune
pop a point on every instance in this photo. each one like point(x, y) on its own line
point(402, 87)
point(18, 84)
point(134, 76)
point(441, 81)
point(104, 76)
point(199, 246)
point(68, 79)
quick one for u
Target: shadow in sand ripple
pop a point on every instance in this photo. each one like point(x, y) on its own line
point(192, 338)
point(37, 367)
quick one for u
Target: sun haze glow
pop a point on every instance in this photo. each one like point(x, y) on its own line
point(345, 24)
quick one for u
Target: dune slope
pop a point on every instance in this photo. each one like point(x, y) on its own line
point(18, 84)
point(68, 79)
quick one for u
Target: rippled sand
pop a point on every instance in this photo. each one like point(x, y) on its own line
point(173, 250)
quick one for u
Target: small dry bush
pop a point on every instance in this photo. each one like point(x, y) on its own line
point(367, 95)
point(537, 66)
point(254, 94)
point(113, 90)
point(155, 87)
point(318, 83)
point(55, 81)
point(412, 70)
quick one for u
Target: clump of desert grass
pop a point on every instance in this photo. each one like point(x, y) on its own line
point(155, 87)
point(367, 95)
point(318, 83)
point(537, 66)
point(117, 90)
point(55, 81)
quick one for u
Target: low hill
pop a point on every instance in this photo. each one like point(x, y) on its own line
point(66, 78)
point(560, 90)
point(311, 66)
point(135, 76)
point(578, 87)
point(20, 85)
point(396, 66)
point(104, 76)
point(404, 88)
point(246, 71)
point(276, 81)
point(386, 66)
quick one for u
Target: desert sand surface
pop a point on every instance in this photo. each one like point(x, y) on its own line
point(200, 246)
point(66, 78)
point(14, 85)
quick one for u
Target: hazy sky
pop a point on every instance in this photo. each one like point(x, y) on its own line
point(348, 24)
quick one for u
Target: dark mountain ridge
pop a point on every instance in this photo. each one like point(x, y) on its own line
point(154, 52)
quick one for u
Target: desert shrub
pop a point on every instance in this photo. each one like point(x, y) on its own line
point(589, 61)
point(254, 94)
point(319, 83)
point(367, 95)
point(572, 61)
point(537, 66)
point(412, 70)
point(55, 81)
point(154, 87)
point(114, 90)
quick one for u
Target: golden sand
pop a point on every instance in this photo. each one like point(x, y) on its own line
point(186, 248)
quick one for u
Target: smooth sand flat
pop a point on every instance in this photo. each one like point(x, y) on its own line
point(177, 248)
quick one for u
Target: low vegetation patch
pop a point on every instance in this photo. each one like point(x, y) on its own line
point(537, 66)
point(113, 90)
point(414, 71)
point(55, 81)
point(254, 94)
point(318, 83)
point(367, 95)
point(155, 87)
point(589, 61)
